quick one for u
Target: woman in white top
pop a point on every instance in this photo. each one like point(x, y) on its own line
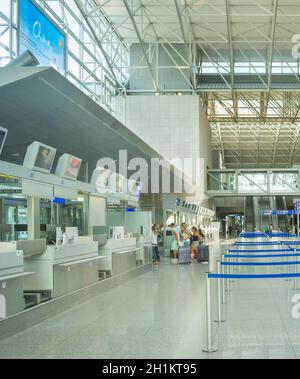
point(155, 254)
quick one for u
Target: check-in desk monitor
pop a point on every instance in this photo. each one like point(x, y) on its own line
point(3, 134)
point(135, 188)
point(117, 183)
point(39, 157)
point(100, 178)
point(68, 167)
point(116, 232)
point(71, 235)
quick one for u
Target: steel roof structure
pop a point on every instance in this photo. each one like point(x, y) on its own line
point(241, 57)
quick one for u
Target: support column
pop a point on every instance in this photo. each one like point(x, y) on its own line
point(33, 206)
point(86, 214)
point(165, 228)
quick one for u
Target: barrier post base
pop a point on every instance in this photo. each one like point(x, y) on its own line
point(210, 351)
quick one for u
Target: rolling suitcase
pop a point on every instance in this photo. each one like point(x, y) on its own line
point(203, 254)
point(184, 255)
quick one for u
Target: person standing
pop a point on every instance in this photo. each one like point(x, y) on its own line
point(184, 236)
point(154, 241)
point(195, 237)
point(175, 244)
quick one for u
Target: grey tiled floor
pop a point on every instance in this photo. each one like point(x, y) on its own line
point(161, 315)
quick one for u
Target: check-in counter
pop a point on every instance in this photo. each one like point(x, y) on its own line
point(63, 269)
point(11, 279)
point(144, 252)
point(119, 256)
point(32, 247)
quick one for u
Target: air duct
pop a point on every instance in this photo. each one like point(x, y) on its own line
point(24, 59)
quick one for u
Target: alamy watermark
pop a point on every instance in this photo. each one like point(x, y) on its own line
point(179, 175)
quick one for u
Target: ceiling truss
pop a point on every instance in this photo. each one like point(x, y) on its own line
point(235, 55)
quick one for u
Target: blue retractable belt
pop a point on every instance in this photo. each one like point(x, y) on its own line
point(258, 256)
point(260, 263)
point(261, 251)
point(266, 276)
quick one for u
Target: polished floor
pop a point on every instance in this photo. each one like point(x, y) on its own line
point(161, 315)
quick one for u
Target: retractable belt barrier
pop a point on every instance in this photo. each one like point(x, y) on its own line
point(258, 243)
point(259, 256)
point(282, 235)
point(221, 278)
point(254, 235)
point(260, 263)
point(254, 276)
point(260, 250)
point(224, 276)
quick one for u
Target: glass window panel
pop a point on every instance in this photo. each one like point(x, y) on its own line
point(73, 46)
point(284, 181)
point(5, 7)
point(74, 67)
point(252, 182)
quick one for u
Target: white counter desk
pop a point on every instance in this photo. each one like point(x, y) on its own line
point(11, 279)
point(144, 252)
point(120, 256)
point(64, 269)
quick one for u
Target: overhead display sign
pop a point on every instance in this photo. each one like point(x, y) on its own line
point(41, 36)
point(278, 213)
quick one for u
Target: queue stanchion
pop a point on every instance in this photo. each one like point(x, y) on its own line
point(209, 332)
point(225, 272)
point(220, 295)
point(231, 260)
point(286, 269)
point(223, 285)
point(295, 286)
point(228, 273)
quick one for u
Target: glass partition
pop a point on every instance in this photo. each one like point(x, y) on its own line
point(222, 181)
point(284, 181)
point(253, 182)
point(66, 213)
point(13, 208)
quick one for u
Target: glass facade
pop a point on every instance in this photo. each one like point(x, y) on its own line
point(254, 182)
point(100, 72)
point(250, 68)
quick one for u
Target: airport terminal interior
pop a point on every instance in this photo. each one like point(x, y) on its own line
point(149, 179)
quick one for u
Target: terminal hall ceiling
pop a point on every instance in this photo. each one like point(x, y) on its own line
point(239, 57)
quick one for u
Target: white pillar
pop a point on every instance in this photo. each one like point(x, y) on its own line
point(33, 205)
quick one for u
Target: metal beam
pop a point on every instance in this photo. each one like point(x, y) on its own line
point(271, 52)
point(141, 42)
point(230, 42)
point(178, 11)
point(105, 55)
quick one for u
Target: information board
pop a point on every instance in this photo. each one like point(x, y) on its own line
point(39, 35)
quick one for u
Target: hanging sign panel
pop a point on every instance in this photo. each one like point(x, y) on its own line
point(39, 35)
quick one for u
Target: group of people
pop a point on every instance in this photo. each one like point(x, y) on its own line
point(234, 230)
point(185, 237)
point(182, 236)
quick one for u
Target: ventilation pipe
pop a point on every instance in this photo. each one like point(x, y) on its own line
point(26, 59)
